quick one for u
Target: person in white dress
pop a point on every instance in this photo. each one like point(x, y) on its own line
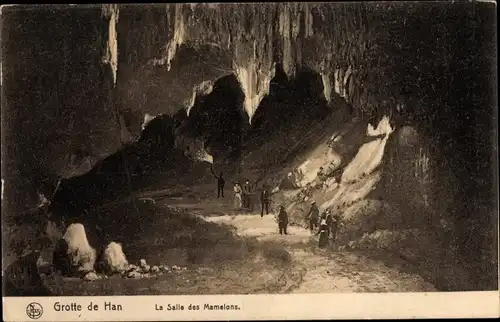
point(237, 195)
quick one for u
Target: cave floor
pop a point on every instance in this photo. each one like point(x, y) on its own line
point(230, 268)
point(327, 270)
point(321, 270)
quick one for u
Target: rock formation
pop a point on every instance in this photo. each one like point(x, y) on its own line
point(114, 259)
point(73, 253)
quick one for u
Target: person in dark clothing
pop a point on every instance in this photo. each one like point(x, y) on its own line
point(323, 234)
point(282, 221)
point(265, 199)
point(313, 216)
point(328, 217)
point(323, 216)
point(246, 195)
point(220, 183)
point(334, 225)
point(331, 223)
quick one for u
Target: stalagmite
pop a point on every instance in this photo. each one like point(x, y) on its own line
point(114, 260)
point(73, 253)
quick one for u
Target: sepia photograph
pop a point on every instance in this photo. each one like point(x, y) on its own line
point(247, 149)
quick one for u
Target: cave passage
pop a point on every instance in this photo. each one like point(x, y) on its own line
point(219, 118)
point(289, 103)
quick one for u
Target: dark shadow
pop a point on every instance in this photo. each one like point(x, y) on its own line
point(220, 119)
point(124, 171)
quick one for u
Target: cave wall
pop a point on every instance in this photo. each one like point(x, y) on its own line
point(452, 109)
point(55, 99)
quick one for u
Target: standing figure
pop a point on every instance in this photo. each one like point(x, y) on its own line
point(313, 216)
point(246, 195)
point(323, 234)
point(220, 183)
point(282, 221)
point(335, 223)
point(265, 199)
point(329, 218)
point(237, 195)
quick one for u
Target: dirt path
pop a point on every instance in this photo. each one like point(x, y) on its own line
point(322, 270)
point(326, 271)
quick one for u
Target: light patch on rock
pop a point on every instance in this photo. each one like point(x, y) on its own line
point(322, 161)
point(133, 274)
point(114, 258)
point(346, 194)
point(82, 255)
point(370, 154)
point(147, 118)
point(91, 276)
point(203, 88)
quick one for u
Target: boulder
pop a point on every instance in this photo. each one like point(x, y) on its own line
point(91, 276)
point(134, 274)
point(113, 259)
point(73, 253)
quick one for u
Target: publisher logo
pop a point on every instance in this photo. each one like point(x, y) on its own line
point(34, 311)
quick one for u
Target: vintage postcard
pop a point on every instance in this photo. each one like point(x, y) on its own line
point(249, 161)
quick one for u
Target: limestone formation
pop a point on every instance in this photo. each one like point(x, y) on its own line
point(73, 253)
point(134, 274)
point(91, 276)
point(114, 259)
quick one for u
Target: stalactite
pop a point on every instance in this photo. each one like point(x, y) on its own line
point(111, 12)
point(179, 34)
point(342, 46)
point(327, 88)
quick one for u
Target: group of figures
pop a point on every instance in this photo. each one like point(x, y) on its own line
point(324, 225)
point(243, 195)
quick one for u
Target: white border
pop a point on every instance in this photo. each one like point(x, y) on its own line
point(267, 307)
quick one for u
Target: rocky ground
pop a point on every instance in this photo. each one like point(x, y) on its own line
point(327, 270)
point(218, 250)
